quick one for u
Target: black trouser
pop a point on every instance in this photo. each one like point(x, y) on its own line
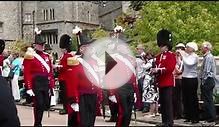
point(62, 93)
point(125, 100)
point(140, 89)
point(190, 98)
point(41, 98)
point(9, 82)
point(166, 105)
point(177, 99)
point(113, 109)
point(207, 96)
point(73, 120)
point(87, 108)
point(27, 96)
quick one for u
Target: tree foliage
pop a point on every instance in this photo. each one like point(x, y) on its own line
point(188, 21)
point(137, 5)
point(18, 46)
point(99, 33)
point(74, 45)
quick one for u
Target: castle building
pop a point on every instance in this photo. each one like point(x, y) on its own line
point(55, 18)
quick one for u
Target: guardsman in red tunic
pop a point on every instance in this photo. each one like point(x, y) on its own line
point(2, 47)
point(68, 74)
point(38, 77)
point(65, 45)
point(165, 65)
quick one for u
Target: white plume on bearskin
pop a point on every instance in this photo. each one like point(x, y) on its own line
point(37, 31)
point(118, 29)
point(77, 30)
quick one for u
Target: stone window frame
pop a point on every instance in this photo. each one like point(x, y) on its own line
point(51, 14)
point(27, 17)
point(45, 15)
point(1, 27)
point(89, 16)
point(50, 37)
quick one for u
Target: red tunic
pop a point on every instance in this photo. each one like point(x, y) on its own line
point(166, 61)
point(85, 85)
point(126, 70)
point(69, 75)
point(93, 63)
point(34, 67)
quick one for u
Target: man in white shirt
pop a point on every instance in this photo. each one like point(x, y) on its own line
point(207, 75)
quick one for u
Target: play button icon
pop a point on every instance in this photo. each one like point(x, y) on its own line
point(111, 63)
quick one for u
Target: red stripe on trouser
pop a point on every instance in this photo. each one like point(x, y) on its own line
point(120, 113)
point(34, 108)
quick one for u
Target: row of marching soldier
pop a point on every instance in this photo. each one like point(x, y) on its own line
point(83, 98)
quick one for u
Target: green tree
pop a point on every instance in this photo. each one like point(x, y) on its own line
point(136, 5)
point(99, 33)
point(74, 46)
point(18, 46)
point(188, 21)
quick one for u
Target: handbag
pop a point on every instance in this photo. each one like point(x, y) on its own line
point(12, 71)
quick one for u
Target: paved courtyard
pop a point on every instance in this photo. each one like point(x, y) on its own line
point(54, 119)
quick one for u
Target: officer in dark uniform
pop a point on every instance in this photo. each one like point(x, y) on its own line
point(112, 106)
point(8, 111)
point(87, 90)
point(38, 77)
point(2, 47)
point(165, 65)
point(126, 95)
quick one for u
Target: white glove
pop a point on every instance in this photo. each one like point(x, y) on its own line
point(75, 107)
point(135, 97)
point(30, 92)
point(113, 98)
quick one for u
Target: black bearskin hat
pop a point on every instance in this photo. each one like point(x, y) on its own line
point(164, 38)
point(85, 39)
point(65, 42)
point(2, 46)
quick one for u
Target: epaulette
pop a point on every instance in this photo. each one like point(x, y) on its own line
point(72, 61)
point(29, 53)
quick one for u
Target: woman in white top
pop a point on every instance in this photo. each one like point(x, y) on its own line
point(7, 67)
point(190, 83)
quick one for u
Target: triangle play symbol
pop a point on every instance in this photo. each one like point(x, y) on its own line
point(109, 62)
